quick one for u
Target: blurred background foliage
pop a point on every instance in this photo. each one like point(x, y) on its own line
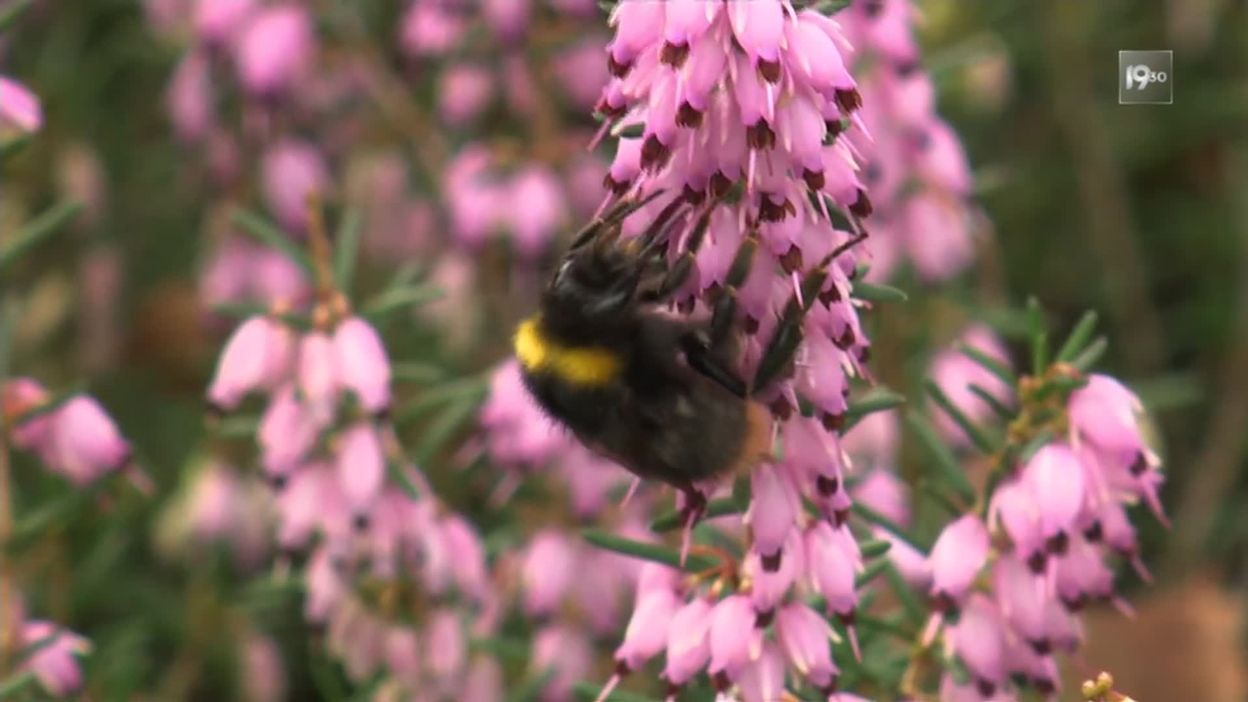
point(1137, 212)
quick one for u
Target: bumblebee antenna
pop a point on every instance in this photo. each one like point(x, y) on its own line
point(613, 216)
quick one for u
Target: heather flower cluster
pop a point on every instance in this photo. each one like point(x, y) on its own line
point(914, 164)
point(374, 545)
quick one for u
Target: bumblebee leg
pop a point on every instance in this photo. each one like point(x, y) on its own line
point(724, 309)
point(788, 335)
point(610, 219)
point(678, 273)
point(691, 512)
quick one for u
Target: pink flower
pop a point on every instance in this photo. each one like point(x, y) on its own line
point(763, 679)
point(189, 99)
point(979, 640)
point(537, 209)
point(688, 650)
point(430, 28)
point(447, 649)
point(20, 396)
point(564, 650)
point(465, 91)
point(361, 466)
point(734, 640)
point(509, 19)
point(286, 434)
point(55, 662)
point(476, 203)
point(955, 373)
point(1054, 476)
point(647, 630)
point(581, 71)
point(318, 377)
point(362, 364)
point(834, 560)
point(548, 571)
point(292, 171)
point(804, 637)
point(774, 505)
point(257, 356)
point(276, 50)
point(19, 108)
point(216, 21)
point(957, 556)
point(84, 443)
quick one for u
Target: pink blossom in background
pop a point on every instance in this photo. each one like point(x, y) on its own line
point(508, 19)
point(536, 209)
point(76, 439)
point(581, 71)
point(189, 100)
point(465, 91)
point(430, 28)
point(263, 672)
point(19, 107)
point(276, 50)
point(915, 166)
point(475, 200)
point(955, 372)
point(217, 21)
point(240, 272)
point(55, 664)
point(291, 171)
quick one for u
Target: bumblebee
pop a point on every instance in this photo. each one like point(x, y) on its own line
point(653, 391)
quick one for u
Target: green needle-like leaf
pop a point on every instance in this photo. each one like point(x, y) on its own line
point(989, 364)
point(874, 548)
point(878, 400)
point(13, 146)
point(265, 232)
point(974, 432)
point(871, 292)
point(440, 432)
point(910, 603)
point(997, 406)
point(589, 691)
point(1078, 338)
point(1039, 337)
point(870, 515)
point(650, 552)
point(945, 463)
point(1091, 355)
point(347, 248)
point(397, 299)
point(873, 570)
point(36, 231)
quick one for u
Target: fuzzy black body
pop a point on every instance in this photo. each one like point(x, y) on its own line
point(659, 413)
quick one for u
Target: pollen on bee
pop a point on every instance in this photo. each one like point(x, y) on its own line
point(579, 365)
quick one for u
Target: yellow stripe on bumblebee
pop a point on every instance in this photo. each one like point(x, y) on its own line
point(583, 365)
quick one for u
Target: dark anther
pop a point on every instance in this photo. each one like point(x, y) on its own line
point(760, 135)
point(1036, 561)
point(770, 71)
point(832, 422)
point(846, 339)
point(764, 619)
point(361, 522)
point(618, 188)
point(693, 197)
point(791, 260)
point(781, 409)
point(771, 562)
point(1139, 465)
point(872, 173)
point(771, 211)
point(829, 295)
point(720, 682)
point(673, 690)
point(1042, 647)
point(750, 325)
point(864, 354)
point(619, 70)
point(986, 688)
point(653, 153)
point(848, 100)
point(720, 184)
point(827, 486)
point(814, 179)
point(862, 206)
point(674, 54)
point(688, 116)
point(1058, 543)
point(873, 7)
point(835, 127)
point(278, 482)
point(1044, 686)
point(1095, 532)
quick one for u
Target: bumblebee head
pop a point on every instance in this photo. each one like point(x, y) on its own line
point(594, 285)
